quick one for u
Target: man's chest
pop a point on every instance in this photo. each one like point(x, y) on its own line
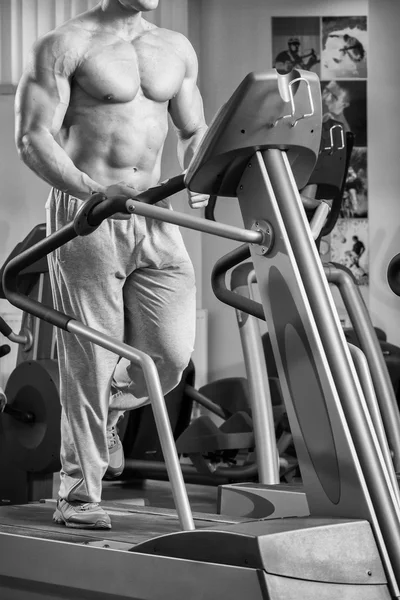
point(117, 72)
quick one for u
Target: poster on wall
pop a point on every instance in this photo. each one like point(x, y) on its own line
point(346, 102)
point(336, 49)
point(344, 47)
point(355, 196)
point(296, 44)
point(349, 247)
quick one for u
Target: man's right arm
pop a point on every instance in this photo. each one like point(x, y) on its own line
point(41, 103)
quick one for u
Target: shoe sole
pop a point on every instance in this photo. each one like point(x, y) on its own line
point(113, 475)
point(114, 472)
point(59, 519)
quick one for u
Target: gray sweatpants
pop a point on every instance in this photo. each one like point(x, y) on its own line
point(132, 280)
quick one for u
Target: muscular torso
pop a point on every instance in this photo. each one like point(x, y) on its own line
point(117, 119)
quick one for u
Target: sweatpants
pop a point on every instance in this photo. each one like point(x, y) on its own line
point(134, 281)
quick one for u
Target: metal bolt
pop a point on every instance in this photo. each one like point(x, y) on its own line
point(263, 249)
point(369, 572)
point(240, 187)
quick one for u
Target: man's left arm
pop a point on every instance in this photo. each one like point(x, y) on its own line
point(186, 110)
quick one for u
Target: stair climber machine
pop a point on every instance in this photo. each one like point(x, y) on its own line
point(273, 461)
point(264, 497)
point(274, 495)
point(261, 147)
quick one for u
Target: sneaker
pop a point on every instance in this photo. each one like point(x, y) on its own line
point(116, 461)
point(81, 515)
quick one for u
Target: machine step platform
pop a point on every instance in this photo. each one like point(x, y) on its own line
point(131, 524)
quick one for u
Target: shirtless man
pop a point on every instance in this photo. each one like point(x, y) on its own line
point(92, 116)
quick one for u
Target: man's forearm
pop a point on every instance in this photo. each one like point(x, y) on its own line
point(41, 153)
point(188, 146)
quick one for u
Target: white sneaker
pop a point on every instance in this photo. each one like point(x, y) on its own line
point(116, 461)
point(81, 515)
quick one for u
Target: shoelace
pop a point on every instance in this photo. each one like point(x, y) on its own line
point(83, 506)
point(111, 437)
point(88, 506)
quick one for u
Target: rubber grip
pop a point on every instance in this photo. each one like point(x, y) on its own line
point(164, 190)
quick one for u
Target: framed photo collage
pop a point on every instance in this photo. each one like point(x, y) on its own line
point(336, 49)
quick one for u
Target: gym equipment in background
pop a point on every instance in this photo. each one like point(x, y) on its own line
point(30, 425)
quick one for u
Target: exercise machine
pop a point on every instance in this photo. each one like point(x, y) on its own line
point(29, 425)
point(268, 494)
point(261, 147)
point(267, 497)
point(213, 450)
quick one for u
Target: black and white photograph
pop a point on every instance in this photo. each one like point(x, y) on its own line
point(346, 102)
point(199, 300)
point(344, 51)
point(349, 247)
point(355, 196)
point(296, 44)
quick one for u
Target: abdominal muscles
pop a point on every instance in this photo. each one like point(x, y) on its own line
point(117, 142)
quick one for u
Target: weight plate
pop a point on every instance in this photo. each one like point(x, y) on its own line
point(33, 387)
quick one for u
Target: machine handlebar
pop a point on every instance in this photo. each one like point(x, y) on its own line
point(218, 282)
point(89, 217)
point(109, 206)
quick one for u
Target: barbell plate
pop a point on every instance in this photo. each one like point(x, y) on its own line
point(33, 387)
